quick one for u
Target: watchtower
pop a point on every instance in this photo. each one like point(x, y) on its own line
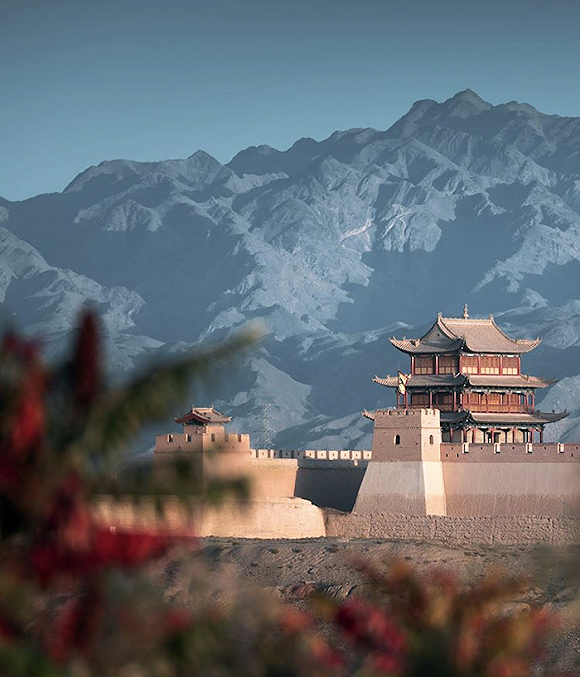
point(406, 435)
point(405, 475)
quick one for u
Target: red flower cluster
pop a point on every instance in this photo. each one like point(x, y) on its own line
point(44, 498)
point(373, 631)
point(53, 561)
point(23, 409)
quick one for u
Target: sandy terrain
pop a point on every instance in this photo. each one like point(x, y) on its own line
point(291, 569)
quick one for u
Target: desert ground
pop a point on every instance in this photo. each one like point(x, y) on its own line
point(293, 569)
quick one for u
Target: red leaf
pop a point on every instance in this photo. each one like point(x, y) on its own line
point(53, 560)
point(86, 360)
point(76, 627)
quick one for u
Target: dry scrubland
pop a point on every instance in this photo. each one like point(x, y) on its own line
point(292, 569)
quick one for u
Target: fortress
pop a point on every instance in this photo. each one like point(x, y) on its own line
point(461, 457)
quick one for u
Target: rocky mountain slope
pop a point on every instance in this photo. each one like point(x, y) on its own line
point(334, 245)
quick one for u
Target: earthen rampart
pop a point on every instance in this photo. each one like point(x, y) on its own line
point(202, 441)
point(512, 453)
point(460, 530)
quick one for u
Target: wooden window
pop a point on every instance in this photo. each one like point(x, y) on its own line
point(469, 364)
point(443, 401)
point(515, 402)
point(424, 364)
point(420, 399)
point(510, 365)
point(494, 401)
point(448, 364)
point(490, 364)
point(475, 401)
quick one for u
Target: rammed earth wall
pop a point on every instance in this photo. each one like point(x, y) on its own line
point(454, 530)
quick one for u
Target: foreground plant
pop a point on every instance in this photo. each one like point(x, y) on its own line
point(80, 599)
point(412, 625)
point(75, 597)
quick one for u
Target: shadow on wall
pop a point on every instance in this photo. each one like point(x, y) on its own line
point(330, 487)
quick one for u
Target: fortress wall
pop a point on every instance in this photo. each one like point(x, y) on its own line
point(330, 486)
point(327, 478)
point(313, 454)
point(466, 530)
point(273, 478)
point(406, 487)
point(206, 441)
point(265, 518)
point(514, 453)
point(540, 487)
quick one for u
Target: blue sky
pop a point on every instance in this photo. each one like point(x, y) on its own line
point(83, 81)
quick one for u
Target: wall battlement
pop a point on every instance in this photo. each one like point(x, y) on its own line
point(316, 457)
point(202, 441)
point(468, 452)
point(512, 453)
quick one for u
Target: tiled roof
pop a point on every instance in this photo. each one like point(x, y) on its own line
point(538, 417)
point(484, 336)
point(421, 346)
point(457, 380)
point(203, 415)
point(515, 381)
point(450, 334)
point(388, 381)
point(423, 380)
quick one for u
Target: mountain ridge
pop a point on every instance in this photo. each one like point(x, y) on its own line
point(332, 244)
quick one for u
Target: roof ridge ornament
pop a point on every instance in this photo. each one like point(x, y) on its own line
point(465, 312)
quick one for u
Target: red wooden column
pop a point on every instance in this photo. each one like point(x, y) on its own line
point(436, 364)
point(454, 400)
point(412, 364)
point(451, 435)
point(430, 399)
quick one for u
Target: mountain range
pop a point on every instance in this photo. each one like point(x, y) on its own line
point(332, 245)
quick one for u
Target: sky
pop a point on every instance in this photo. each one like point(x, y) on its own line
point(83, 81)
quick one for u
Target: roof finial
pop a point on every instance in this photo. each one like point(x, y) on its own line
point(465, 312)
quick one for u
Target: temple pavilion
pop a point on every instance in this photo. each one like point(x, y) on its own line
point(471, 371)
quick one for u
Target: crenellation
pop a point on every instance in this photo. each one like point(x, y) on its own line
point(411, 484)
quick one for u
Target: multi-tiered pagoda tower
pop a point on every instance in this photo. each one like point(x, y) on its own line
point(471, 371)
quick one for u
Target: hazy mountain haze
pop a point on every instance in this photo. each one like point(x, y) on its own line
point(334, 245)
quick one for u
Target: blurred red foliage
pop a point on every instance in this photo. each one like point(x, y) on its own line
point(71, 601)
